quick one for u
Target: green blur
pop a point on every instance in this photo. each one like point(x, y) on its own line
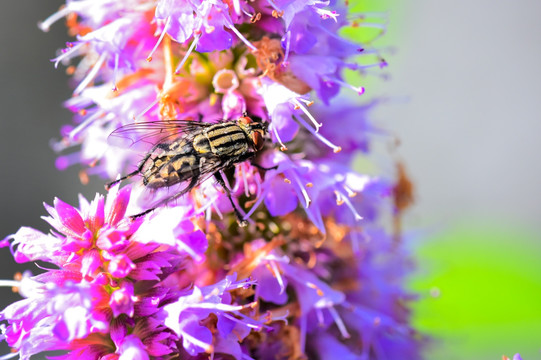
point(489, 293)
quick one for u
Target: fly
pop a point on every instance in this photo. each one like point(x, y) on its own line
point(190, 152)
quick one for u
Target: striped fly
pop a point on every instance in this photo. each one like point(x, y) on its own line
point(189, 152)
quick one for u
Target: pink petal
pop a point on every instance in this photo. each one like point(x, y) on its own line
point(96, 214)
point(90, 263)
point(69, 216)
point(122, 300)
point(120, 266)
point(117, 202)
point(132, 348)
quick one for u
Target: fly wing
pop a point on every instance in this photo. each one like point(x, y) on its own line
point(153, 198)
point(147, 134)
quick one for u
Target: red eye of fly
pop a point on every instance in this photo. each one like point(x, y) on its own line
point(258, 140)
point(246, 120)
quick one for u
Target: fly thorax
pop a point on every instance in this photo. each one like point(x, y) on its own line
point(227, 139)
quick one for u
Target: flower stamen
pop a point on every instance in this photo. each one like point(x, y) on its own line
point(278, 276)
point(342, 199)
point(115, 72)
point(323, 139)
point(91, 74)
point(316, 288)
point(164, 31)
point(71, 50)
point(9, 356)
point(288, 46)
point(207, 347)
point(190, 49)
point(307, 113)
point(274, 6)
point(339, 322)
point(45, 25)
point(358, 89)
point(282, 145)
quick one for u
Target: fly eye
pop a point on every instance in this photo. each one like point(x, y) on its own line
point(246, 120)
point(258, 140)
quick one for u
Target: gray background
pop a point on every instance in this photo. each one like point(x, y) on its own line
point(469, 130)
point(31, 113)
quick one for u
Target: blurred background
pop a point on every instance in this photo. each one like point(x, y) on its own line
point(465, 92)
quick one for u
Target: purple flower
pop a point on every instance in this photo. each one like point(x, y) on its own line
point(186, 315)
point(153, 273)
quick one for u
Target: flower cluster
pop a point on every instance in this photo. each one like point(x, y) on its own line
point(315, 274)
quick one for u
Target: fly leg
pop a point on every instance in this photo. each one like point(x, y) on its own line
point(136, 216)
point(250, 156)
point(132, 174)
point(110, 185)
point(240, 218)
point(264, 168)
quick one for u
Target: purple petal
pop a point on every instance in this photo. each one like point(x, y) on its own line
point(329, 347)
point(122, 300)
point(132, 348)
point(268, 287)
point(310, 68)
point(73, 324)
point(281, 199)
point(181, 26)
point(217, 40)
point(195, 243)
point(283, 122)
point(195, 336)
point(302, 38)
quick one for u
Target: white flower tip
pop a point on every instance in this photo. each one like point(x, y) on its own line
point(43, 26)
point(224, 81)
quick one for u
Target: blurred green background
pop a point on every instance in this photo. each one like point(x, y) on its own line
point(484, 290)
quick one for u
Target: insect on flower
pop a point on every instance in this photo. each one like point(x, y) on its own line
point(189, 152)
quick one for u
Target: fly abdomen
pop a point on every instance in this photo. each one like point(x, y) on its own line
point(175, 170)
